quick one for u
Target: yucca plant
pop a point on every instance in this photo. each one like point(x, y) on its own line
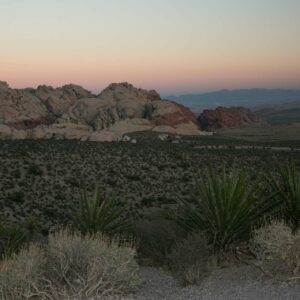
point(226, 207)
point(286, 189)
point(99, 215)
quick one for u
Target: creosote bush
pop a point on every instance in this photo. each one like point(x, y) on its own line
point(189, 259)
point(71, 266)
point(155, 239)
point(277, 250)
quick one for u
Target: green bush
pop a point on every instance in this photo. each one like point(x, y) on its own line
point(13, 238)
point(70, 267)
point(156, 238)
point(277, 250)
point(226, 207)
point(99, 215)
point(189, 258)
point(287, 191)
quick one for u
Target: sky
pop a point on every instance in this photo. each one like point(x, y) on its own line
point(173, 46)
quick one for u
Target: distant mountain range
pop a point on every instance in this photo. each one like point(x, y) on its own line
point(286, 113)
point(250, 98)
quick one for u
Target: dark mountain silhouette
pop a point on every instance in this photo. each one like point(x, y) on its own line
point(250, 98)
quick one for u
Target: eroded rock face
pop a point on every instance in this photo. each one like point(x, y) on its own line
point(28, 108)
point(20, 109)
point(223, 117)
point(71, 112)
point(59, 100)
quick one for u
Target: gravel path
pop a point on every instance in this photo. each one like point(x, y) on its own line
point(236, 283)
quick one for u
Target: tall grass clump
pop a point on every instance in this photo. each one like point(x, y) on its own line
point(287, 190)
point(98, 214)
point(226, 207)
point(20, 275)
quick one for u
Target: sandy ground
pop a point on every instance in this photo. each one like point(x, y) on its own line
point(234, 283)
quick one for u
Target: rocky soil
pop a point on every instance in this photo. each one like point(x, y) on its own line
point(234, 283)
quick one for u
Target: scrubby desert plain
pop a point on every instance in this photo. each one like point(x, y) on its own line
point(42, 180)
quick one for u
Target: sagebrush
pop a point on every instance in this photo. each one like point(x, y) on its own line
point(278, 250)
point(70, 266)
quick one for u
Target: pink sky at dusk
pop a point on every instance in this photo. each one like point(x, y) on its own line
point(183, 47)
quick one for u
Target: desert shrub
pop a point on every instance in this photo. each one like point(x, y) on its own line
point(16, 197)
point(287, 190)
point(189, 258)
point(34, 170)
point(20, 275)
point(12, 239)
point(277, 250)
point(156, 238)
point(226, 206)
point(70, 267)
point(32, 230)
point(99, 215)
point(79, 267)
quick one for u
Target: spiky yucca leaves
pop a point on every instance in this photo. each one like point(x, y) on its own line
point(13, 238)
point(287, 191)
point(226, 207)
point(99, 215)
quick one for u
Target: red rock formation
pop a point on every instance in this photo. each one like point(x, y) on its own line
point(180, 115)
point(224, 117)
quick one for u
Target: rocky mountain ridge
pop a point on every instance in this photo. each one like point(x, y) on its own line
point(71, 112)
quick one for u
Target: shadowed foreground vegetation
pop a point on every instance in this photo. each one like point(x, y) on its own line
point(78, 218)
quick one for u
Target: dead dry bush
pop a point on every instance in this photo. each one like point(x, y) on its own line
point(20, 275)
point(277, 251)
point(89, 266)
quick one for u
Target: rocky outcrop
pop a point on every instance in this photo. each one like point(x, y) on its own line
point(29, 108)
point(71, 112)
point(59, 100)
point(224, 117)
